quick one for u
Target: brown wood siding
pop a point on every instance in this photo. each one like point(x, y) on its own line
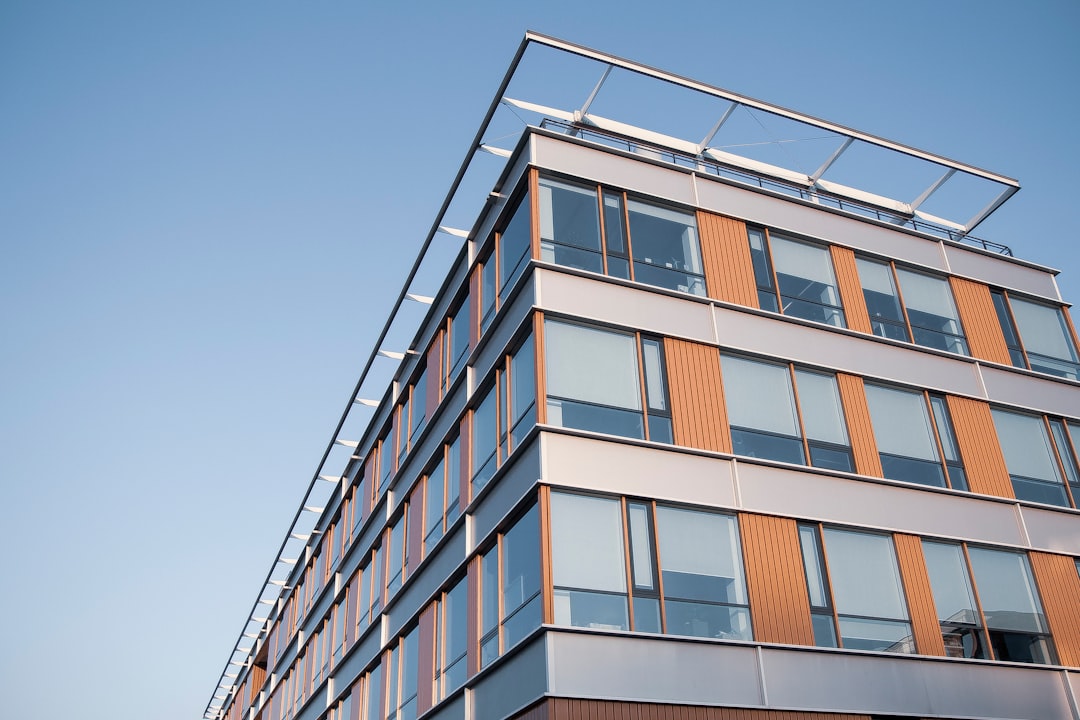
point(980, 321)
point(851, 294)
point(920, 598)
point(860, 429)
point(257, 678)
point(698, 413)
point(534, 210)
point(541, 368)
point(472, 625)
point(976, 437)
point(434, 375)
point(779, 605)
point(725, 252)
point(579, 709)
point(1059, 587)
point(415, 528)
point(427, 649)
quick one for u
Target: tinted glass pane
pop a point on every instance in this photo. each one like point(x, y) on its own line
point(641, 547)
point(523, 390)
point(806, 281)
point(707, 620)
point(879, 291)
point(1046, 338)
point(455, 619)
point(521, 562)
point(700, 556)
point(815, 578)
point(759, 396)
point(484, 439)
point(949, 582)
point(587, 543)
point(665, 247)
point(602, 611)
point(568, 215)
point(1006, 591)
point(931, 311)
point(822, 414)
point(1029, 457)
point(865, 579)
point(514, 247)
point(592, 365)
point(904, 435)
point(879, 635)
point(459, 339)
point(760, 259)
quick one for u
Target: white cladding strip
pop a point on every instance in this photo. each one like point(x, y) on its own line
point(589, 298)
point(615, 466)
point(666, 669)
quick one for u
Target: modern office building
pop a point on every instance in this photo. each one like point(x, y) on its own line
point(686, 433)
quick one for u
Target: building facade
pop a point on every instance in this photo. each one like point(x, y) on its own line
point(684, 436)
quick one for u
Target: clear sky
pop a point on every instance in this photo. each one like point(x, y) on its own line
point(207, 208)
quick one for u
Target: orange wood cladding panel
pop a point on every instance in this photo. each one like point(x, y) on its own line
point(357, 696)
point(257, 678)
point(698, 413)
point(472, 625)
point(981, 326)
point(434, 373)
point(1059, 586)
point(415, 528)
point(920, 598)
point(541, 369)
point(534, 210)
point(779, 605)
point(976, 436)
point(579, 709)
point(426, 676)
point(851, 294)
point(863, 445)
point(725, 252)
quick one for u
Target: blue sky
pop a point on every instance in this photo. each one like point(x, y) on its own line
point(206, 210)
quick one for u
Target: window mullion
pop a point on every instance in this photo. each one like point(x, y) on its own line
point(772, 270)
point(603, 227)
point(1062, 471)
point(626, 561)
point(820, 533)
point(978, 603)
point(798, 413)
point(629, 241)
point(900, 299)
point(659, 572)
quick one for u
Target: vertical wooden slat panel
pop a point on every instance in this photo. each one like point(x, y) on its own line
point(541, 368)
point(980, 321)
point(1059, 587)
point(851, 294)
point(698, 413)
point(776, 584)
point(384, 682)
point(725, 253)
point(920, 598)
point(415, 527)
point(976, 437)
point(427, 648)
point(534, 210)
point(472, 625)
point(356, 698)
point(853, 397)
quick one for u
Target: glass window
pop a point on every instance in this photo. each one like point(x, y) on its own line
point(763, 273)
point(665, 247)
point(395, 557)
point(403, 425)
point(514, 246)
point(640, 241)
point(1008, 328)
point(1046, 338)
point(452, 632)
point(817, 586)
point(434, 505)
point(522, 391)
point(932, 312)
point(646, 601)
point(570, 226)
point(905, 436)
point(510, 588)
point(485, 434)
point(588, 562)
point(867, 593)
point(374, 692)
point(487, 291)
point(805, 281)
point(956, 610)
point(659, 411)
point(1066, 436)
point(592, 379)
point(701, 567)
point(386, 462)
point(882, 301)
point(457, 345)
point(1029, 457)
point(419, 405)
point(764, 416)
point(1010, 604)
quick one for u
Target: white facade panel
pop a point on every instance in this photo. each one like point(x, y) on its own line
point(1031, 391)
point(626, 306)
point(861, 355)
point(1053, 530)
point(616, 467)
point(652, 669)
point(614, 170)
point(805, 494)
point(1011, 275)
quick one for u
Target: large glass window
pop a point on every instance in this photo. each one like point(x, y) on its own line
point(587, 554)
point(795, 278)
point(863, 581)
point(765, 413)
point(522, 403)
point(961, 623)
point(510, 588)
point(910, 306)
point(457, 343)
point(594, 382)
point(622, 236)
point(451, 633)
point(914, 437)
point(514, 246)
point(1038, 336)
point(701, 569)
point(1030, 458)
point(402, 680)
point(485, 439)
point(1010, 604)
